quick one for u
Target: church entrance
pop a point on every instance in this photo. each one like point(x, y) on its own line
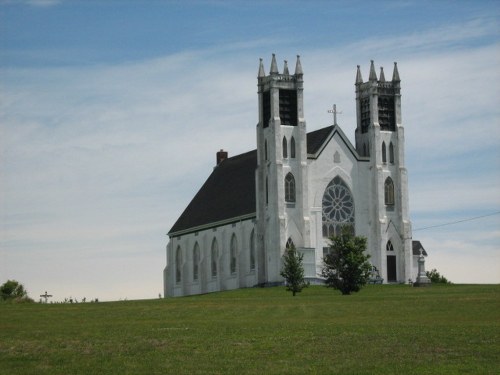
point(391, 268)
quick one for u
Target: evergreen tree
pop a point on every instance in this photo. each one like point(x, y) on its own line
point(346, 266)
point(293, 270)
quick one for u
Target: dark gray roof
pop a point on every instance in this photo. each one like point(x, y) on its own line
point(229, 192)
point(416, 248)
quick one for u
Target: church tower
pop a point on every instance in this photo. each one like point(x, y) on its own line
point(281, 175)
point(380, 136)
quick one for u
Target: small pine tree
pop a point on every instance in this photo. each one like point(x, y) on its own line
point(346, 266)
point(293, 270)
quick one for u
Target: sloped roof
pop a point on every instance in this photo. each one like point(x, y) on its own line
point(416, 248)
point(229, 192)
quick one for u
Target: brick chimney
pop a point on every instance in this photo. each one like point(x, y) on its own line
point(221, 156)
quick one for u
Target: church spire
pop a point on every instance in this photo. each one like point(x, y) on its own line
point(382, 76)
point(373, 75)
point(298, 67)
point(359, 79)
point(285, 69)
point(262, 73)
point(395, 74)
point(274, 66)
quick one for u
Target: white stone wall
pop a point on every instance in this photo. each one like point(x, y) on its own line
point(225, 279)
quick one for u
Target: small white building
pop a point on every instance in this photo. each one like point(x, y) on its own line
point(299, 188)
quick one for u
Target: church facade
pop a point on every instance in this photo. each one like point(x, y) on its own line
point(299, 188)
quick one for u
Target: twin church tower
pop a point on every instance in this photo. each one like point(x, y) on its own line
point(299, 188)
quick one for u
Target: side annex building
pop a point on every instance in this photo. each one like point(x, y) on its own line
point(299, 188)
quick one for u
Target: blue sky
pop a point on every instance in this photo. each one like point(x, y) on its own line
point(111, 113)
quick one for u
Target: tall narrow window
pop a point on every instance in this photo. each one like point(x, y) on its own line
point(292, 148)
point(265, 150)
point(252, 251)
point(267, 191)
point(233, 251)
point(391, 153)
point(196, 262)
point(389, 192)
point(214, 257)
point(285, 148)
point(384, 157)
point(289, 188)
point(178, 265)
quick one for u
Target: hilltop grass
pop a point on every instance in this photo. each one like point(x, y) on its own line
point(449, 329)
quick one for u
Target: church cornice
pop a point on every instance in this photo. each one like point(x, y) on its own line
point(213, 225)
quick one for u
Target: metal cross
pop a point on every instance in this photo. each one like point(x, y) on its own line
point(46, 296)
point(335, 112)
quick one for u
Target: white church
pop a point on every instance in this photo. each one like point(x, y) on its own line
point(299, 188)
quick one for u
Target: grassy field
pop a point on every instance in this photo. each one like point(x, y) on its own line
point(449, 329)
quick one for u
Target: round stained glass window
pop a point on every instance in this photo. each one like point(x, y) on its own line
point(338, 207)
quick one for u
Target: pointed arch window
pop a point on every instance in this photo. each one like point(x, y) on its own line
point(391, 153)
point(389, 192)
point(252, 251)
point(337, 207)
point(389, 246)
point(214, 256)
point(285, 148)
point(178, 265)
point(289, 244)
point(289, 188)
point(196, 262)
point(292, 148)
point(384, 156)
point(233, 252)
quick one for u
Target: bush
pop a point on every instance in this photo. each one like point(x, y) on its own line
point(436, 278)
point(346, 266)
point(13, 291)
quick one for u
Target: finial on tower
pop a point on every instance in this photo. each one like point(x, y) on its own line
point(395, 74)
point(359, 79)
point(298, 67)
point(382, 75)
point(274, 66)
point(373, 75)
point(262, 73)
point(285, 68)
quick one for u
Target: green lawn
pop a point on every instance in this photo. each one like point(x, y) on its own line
point(447, 329)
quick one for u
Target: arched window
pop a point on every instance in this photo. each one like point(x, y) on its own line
point(389, 246)
point(285, 148)
point(252, 251)
point(214, 257)
point(289, 244)
point(384, 157)
point(178, 265)
point(389, 192)
point(391, 153)
point(292, 147)
point(289, 188)
point(233, 252)
point(338, 207)
point(196, 262)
